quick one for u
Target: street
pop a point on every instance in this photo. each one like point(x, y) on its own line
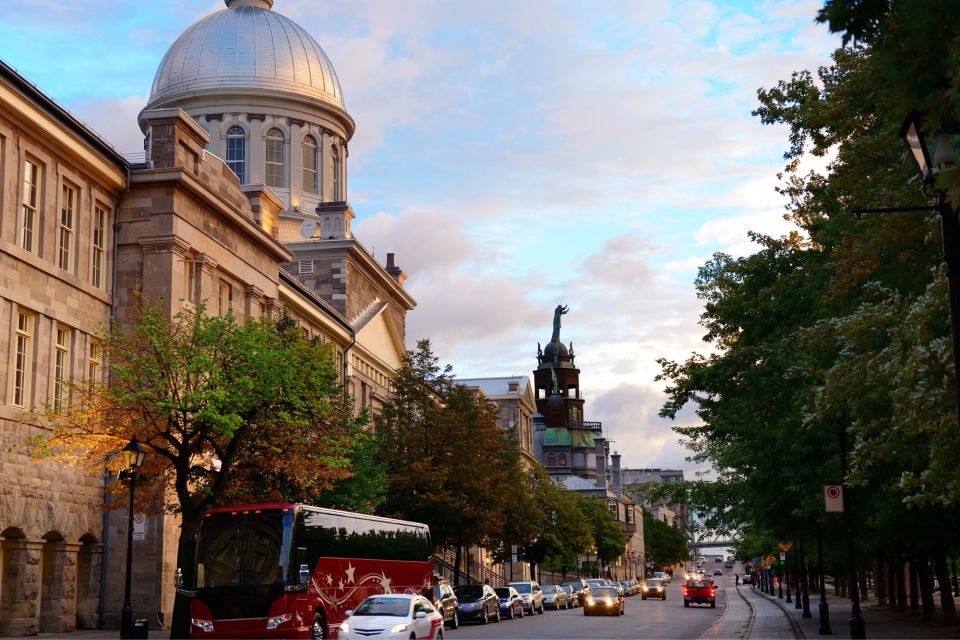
point(642, 619)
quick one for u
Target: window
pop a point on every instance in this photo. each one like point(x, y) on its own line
point(22, 359)
point(67, 212)
point(551, 460)
point(305, 267)
point(335, 166)
point(563, 459)
point(310, 164)
point(225, 300)
point(612, 506)
point(236, 152)
point(99, 244)
point(30, 220)
point(274, 158)
point(95, 361)
point(61, 367)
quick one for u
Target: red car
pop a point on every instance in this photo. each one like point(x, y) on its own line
point(699, 591)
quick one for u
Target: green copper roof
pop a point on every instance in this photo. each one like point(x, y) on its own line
point(560, 436)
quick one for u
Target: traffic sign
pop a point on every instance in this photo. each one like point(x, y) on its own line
point(783, 555)
point(785, 545)
point(833, 498)
point(139, 525)
point(771, 559)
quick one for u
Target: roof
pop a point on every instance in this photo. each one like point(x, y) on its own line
point(246, 47)
point(494, 387)
point(561, 436)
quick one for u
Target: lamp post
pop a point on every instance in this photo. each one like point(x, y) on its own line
point(133, 455)
point(944, 156)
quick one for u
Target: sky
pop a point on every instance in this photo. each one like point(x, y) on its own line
point(514, 156)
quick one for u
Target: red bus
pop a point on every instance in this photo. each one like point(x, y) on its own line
point(292, 570)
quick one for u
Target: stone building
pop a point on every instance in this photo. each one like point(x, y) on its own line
point(513, 397)
point(247, 223)
point(574, 450)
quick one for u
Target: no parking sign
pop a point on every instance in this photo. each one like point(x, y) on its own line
point(139, 525)
point(833, 497)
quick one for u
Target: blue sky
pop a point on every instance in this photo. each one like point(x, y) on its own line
point(513, 155)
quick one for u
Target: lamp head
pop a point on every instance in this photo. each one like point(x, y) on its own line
point(944, 151)
point(133, 454)
point(916, 142)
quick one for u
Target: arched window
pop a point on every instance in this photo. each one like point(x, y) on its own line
point(336, 165)
point(310, 182)
point(237, 152)
point(275, 158)
point(563, 459)
point(551, 460)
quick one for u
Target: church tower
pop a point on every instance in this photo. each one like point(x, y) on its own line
point(566, 441)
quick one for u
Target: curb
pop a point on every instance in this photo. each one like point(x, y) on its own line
point(797, 629)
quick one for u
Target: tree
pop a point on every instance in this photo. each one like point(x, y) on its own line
point(608, 538)
point(447, 461)
point(227, 412)
point(663, 545)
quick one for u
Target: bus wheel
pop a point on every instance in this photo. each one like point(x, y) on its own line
point(319, 626)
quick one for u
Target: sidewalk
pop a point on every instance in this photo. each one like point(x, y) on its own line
point(878, 621)
point(749, 615)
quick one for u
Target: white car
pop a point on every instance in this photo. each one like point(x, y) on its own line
point(392, 615)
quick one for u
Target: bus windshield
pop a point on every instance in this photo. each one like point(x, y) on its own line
point(237, 549)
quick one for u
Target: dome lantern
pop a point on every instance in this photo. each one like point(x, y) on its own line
point(259, 4)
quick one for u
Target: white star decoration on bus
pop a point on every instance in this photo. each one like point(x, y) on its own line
point(349, 571)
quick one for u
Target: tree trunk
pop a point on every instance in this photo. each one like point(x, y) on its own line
point(914, 589)
point(187, 563)
point(900, 573)
point(864, 584)
point(943, 577)
point(926, 587)
point(839, 582)
point(457, 557)
point(881, 581)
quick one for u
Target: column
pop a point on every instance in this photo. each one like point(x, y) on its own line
point(255, 168)
point(296, 162)
point(19, 587)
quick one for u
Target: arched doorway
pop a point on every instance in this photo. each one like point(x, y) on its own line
point(89, 559)
point(58, 583)
point(18, 606)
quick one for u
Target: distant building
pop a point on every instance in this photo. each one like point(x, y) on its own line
point(513, 396)
point(675, 515)
point(574, 451)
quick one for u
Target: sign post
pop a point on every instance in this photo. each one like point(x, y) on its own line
point(139, 526)
point(833, 498)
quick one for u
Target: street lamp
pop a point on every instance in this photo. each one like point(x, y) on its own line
point(133, 455)
point(944, 157)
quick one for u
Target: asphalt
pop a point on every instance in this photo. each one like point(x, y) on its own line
point(752, 615)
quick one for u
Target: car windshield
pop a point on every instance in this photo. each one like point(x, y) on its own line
point(567, 588)
point(522, 587)
point(597, 583)
point(604, 592)
point(698, 584)
point(653, 582)
point(468, 591)
point(381, 606)
point(503, 592)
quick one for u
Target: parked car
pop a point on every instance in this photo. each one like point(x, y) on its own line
point(662, 575)
point(554, 597)
point(395, 615)
point(477, 602)
point(603, 600)
point(532, 595)
point(580, 587)
point(598, 582)
point(627, 588)
point(572, 596)
point(445, 602)
point(511, 604)
point(717, 572)
point(699, 591)
point(654, 588)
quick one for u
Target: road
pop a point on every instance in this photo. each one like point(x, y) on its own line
point(642, 619)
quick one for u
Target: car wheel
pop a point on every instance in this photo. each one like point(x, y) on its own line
point(664, 597)
point(522, 612)
point(713, 605)
point(484, 618)
point(439, 634)
point(497, 617)
point(319, 630)
point(585, 612)
point(541, 608)
point(686, 604)
point(455, 623)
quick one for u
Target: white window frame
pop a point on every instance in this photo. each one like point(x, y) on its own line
point(67, 224)
point(98, 256)
point(275, 167)
point(236, 132)
point(62, 366)
point(30, 212)
point(311, 165)
point(23, 358)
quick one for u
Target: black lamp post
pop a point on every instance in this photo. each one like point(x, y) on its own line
point(133, 455)
point(944, 156)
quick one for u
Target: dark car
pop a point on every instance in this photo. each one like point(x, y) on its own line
point(511, 604)
point(477, 603)
point(653, 588)
point(445, 601)
point(699, 591)
point(579, 586)
point(603, 600)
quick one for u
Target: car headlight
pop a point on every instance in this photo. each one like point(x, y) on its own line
point(399, 628)
point(344, 627)
point(589, 601)
point(276, 621)
point(203, 625)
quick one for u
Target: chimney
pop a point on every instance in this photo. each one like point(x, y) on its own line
point(395, 272)
point(615, 474)
point(601, 464)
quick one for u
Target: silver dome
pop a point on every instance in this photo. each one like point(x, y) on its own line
point(247, 47)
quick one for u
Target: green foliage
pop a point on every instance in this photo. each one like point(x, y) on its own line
point(447, 462)
point(664, 545)
point(608, 538)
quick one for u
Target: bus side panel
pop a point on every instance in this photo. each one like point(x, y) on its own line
point(340, 584)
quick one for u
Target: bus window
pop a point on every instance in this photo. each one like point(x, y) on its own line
point(252, 549)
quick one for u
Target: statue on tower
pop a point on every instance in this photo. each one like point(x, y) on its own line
point(559, 311)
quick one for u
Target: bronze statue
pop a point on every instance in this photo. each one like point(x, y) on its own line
point(559, 311)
